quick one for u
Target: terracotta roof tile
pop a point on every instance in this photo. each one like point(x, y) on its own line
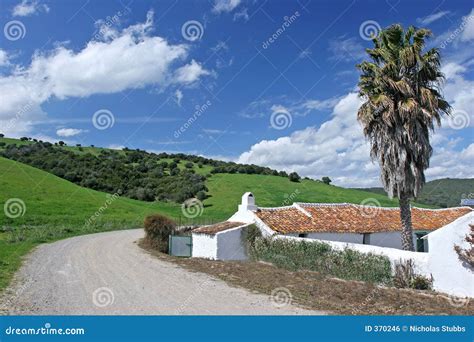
point(351, 218)
point(218, 227)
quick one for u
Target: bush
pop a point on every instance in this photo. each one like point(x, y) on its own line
point(420, 282)
point(158, 228)
point(322, 258)
point(294, 177)
point(253, 233)
point(405, 277)
point(326, 180)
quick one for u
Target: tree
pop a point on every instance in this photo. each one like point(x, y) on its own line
point(400, 89)
point(326, 180)
point(2, 135)
point(61, 143)
point(294, 177)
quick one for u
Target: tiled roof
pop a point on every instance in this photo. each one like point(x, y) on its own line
point(352, 218)
point(218, 227)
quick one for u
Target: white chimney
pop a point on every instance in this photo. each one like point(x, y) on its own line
point(245, 213)
point(248, 202)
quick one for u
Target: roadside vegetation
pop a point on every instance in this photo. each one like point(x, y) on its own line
point(322, 258)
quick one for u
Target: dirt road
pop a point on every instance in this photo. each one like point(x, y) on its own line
point(107, 273)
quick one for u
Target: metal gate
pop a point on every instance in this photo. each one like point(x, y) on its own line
point(180, 245)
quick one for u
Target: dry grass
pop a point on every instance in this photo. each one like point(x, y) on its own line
point(314, 291)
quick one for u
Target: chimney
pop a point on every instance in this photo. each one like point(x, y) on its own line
point(248, 202)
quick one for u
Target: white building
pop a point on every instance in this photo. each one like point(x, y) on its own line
point(363, 228)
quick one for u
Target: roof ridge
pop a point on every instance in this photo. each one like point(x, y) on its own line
point(300, 208)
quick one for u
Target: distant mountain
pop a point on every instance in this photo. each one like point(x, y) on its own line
point(444, 192)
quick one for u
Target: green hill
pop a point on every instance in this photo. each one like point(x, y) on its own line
point(444, 192)
point(55, 208)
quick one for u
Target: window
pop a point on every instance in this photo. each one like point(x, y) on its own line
point(420, 243)
point(303, 235)
point(366, 239)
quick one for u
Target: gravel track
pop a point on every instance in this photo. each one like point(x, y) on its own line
point(107, 273)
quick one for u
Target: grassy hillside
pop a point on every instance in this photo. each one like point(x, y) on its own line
point(272, 191)
point(54, 209)
point(445, 192)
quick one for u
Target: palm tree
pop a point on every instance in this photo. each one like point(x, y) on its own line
point(400, 87)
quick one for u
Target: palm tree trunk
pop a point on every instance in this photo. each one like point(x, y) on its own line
point(405, 217)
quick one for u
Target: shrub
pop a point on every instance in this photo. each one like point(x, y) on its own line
point(405, 277)
point(420, 282)
point(158, 228)
point(252, 234)
point(294, 177)
point(326, 180)
point(321, 257)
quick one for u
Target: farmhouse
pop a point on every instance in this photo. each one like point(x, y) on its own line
point(341, 222)
point(365, 229)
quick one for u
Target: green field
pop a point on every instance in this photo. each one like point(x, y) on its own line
point(55, 209)
point(272, 191)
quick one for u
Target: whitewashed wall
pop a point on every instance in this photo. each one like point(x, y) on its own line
point(226, 245)
point(341, 237)
point(394, 255)
point(231, 244)
point(204, 246)
point(449, 273)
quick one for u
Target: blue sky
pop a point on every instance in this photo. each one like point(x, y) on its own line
point(265, 82)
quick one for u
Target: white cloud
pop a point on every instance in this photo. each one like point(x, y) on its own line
point(242, 14)
point(346, 49)
point(265, 107)
point(468, 31)
point(190, 73)
point(68, 132)
point(339, 150)
point(131, 58)
point(225, 5)
point(179, 96)
point(116, 147)
point(4, 58)
point(432, 17)
point(29, 7)
point(459, 90)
